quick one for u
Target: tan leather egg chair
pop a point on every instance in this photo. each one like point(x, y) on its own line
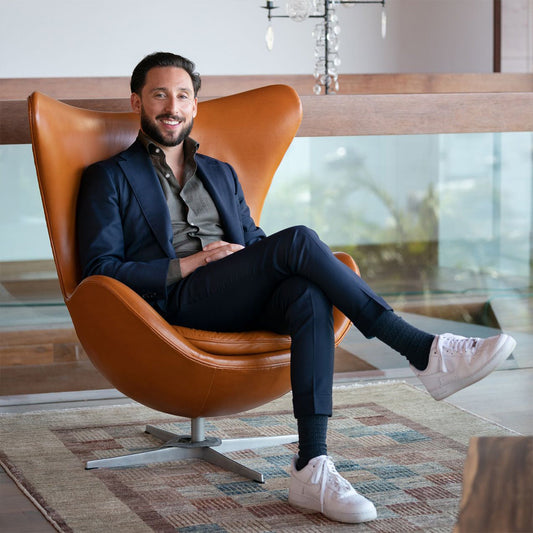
point(176, 370)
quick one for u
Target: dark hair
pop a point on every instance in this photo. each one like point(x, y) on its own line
point(163, 59)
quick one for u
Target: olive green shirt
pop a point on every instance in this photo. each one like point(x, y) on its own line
point(193, 214)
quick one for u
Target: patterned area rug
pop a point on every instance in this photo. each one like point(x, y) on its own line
point(394, 443)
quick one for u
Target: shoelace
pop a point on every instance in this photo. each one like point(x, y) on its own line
point(322, 472)
point(462, 344)
point(454, 344)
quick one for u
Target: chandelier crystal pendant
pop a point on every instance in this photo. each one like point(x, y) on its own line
point(269, 37)
point(299, 10)
point(326, 34)
point(383, 22)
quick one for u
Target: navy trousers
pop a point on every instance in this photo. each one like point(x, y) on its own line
point(287, 283)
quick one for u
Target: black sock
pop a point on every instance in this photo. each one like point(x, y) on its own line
point(312, 432)
point(411, 342)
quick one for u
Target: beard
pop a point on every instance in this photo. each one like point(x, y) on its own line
point(163, 138)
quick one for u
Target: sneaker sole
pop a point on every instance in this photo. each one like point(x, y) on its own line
point(350, 518)
point(499, 357)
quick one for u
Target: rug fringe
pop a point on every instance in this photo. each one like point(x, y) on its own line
point(38, 410)
point(36, 504)
point(370, 384)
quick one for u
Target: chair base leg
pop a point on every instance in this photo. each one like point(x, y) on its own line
point(178, 447)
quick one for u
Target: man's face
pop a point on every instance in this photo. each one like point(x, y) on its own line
point(167, 105)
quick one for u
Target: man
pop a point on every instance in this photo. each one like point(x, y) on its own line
point(174, 226)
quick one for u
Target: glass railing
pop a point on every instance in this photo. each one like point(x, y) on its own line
point(29, 291)
point(439, 224)
point(23, 235)
point(432, 220)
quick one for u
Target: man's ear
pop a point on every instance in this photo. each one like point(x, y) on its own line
point(135, 101)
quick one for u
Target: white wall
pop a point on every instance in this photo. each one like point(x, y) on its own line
point(49, 38)
point(517, 36)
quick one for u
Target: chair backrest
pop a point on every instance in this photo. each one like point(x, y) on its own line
point(250, 130)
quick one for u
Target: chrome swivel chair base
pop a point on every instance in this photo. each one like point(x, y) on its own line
point(195, 446)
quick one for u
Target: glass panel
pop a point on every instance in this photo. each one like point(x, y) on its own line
point(424, 216)
point(29, 291)
point(23, 235)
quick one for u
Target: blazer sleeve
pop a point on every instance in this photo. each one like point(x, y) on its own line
point(113, 238)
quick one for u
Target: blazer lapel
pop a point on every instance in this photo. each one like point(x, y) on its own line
point(217, 186)
point(140, 173)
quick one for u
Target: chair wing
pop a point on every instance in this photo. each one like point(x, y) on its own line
point(251, 131)
point(65, 140)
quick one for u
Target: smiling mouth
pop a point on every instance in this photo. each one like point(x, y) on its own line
point(170, 121)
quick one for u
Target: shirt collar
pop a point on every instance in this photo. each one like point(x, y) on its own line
point(189, 144)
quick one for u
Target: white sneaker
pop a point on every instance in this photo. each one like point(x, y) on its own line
point(456, 362)
point(319, 487)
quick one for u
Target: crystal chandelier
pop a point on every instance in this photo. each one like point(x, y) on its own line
point(326, 34)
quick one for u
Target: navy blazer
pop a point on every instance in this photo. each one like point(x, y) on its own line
point(123, 223)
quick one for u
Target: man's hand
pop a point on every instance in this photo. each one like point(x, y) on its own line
point(212, 252)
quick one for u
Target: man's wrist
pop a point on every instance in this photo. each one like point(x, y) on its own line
point(174, 272)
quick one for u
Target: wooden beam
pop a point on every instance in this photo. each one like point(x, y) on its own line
point(14, 124)
point(118, 87)
point(335, 115)
point(409, 114)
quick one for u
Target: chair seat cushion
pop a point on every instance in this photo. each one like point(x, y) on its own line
point(240, 343)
